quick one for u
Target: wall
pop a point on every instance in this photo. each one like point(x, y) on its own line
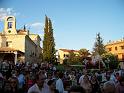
point(17, 41)
point(30, 50)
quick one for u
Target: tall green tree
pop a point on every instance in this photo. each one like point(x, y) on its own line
point(45, 40)
point(48, 42)
point(99, 47)
point(52, 49)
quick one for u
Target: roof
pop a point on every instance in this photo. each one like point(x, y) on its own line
point(67, 50)
point(21, 32)
point(8, 49)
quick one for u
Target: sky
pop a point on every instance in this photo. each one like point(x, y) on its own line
point(75, 22)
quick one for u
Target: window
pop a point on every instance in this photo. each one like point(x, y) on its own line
point(9, 25)
point(117, 56)
point(8, 43)
point(123, 57)
point(116, 48)
point(67, 55)
point(110, 49)
point(10, 19)
point(64, 55)
point(122, 47)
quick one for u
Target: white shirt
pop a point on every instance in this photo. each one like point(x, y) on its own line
point(81, 79)
point(59, 86)
point(36, 89)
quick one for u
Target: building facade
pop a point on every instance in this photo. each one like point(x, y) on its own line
point(117, 48)
point(18, 45)
point(64, 54)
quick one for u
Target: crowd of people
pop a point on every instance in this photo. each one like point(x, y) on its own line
point(45, 78)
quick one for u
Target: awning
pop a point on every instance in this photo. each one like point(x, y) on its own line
point(9, 50)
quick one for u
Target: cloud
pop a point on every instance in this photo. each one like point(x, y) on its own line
point(37, 24)
point(6, 12)
point(35, 27)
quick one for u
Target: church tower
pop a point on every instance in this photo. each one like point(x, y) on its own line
point(10, 25)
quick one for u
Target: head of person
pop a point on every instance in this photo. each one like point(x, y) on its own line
point(40, 79)
point(76, 89)
point(121, 81)
point(108, 87)
point(51, 84)
point(60, 75)
point(14, 82)
point(86, 78)
point(93, 78)
point(49, 75)
point(84, 71)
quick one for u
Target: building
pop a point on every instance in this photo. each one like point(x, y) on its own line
point(18, 45)
point(117, 48)
point(64, 54)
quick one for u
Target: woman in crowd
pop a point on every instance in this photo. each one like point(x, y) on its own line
point(52, 86)
point(95, 84)
point(14, 85)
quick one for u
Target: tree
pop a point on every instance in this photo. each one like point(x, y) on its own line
point(52, 49)
point(83, 53)
point(110, 60)
point(99, 47)
point(48, 42)
point(45, 41)
point(71, 57)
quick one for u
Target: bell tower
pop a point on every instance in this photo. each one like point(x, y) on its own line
point(10, 25)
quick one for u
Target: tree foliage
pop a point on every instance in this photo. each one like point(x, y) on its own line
point(76, 58)
point(110, 60)
point(99, 47)
point(84, 52)
point(48, 42)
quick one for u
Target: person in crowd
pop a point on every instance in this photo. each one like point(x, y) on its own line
point(120, 85)
point(76, 89)
point(7, 87)
point(1, 82)
point(95, 84)
point(99, 76)
point(117, 76)
point(21, 80)
point(59, 83)
point(86, 84)
point(108, 87)
point(52, 86)
point(39, 85)
point(49, 76)
point(14, 85)
point(81, 78)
